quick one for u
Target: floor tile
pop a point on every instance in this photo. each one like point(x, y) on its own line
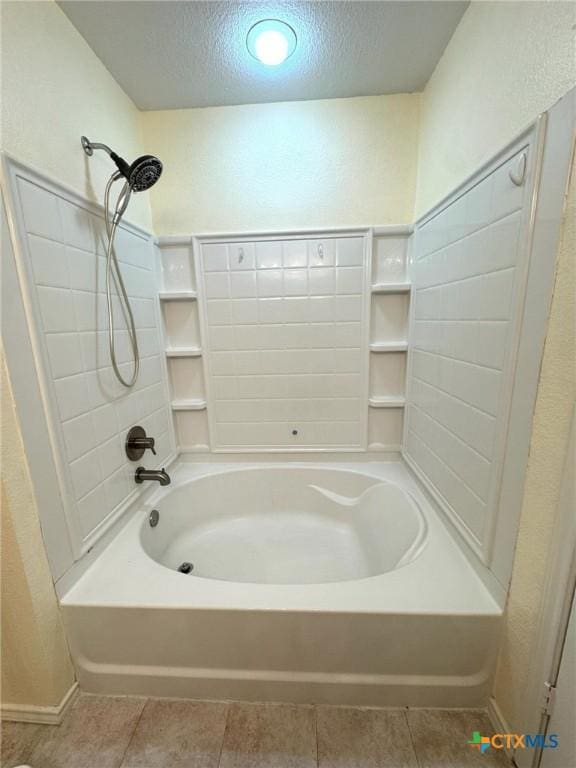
point(441, 737)
point(364, 738)
point(269, 736)
point(178, 734)
point(95, 734)
point(18, 742)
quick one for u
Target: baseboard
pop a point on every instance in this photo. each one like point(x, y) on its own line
point(499, 722)
point(25, 713)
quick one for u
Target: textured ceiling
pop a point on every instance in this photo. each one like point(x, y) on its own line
point(170, 54)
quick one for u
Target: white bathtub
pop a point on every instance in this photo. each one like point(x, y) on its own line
point(286, 525)
point(332, 582)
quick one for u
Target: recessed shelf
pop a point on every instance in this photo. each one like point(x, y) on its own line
point(177, 295)
point(183, 352)
point(401, 287)
point(389, 346)
point(395, 401)
point(193, 404)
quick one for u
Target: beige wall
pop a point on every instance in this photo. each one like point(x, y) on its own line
point(548, 446)
point(506, 63)
point(54, 89)
point(289, 165)
point(36, 666)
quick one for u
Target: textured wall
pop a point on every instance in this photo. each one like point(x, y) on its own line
point(36, 667)
point(550, 434)
point(506, 63)
point(288, 165)
point(53, 92)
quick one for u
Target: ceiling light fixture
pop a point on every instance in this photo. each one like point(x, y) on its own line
point(271, 41)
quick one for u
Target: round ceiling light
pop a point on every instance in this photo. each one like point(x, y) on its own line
point(271, 41)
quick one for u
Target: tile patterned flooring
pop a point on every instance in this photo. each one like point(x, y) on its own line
point(128, 732)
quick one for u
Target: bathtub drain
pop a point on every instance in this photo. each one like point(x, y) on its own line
point(185, 568)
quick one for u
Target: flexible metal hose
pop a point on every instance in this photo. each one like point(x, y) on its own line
point(111, 261)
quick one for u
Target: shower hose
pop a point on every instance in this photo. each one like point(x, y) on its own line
point(112, 223)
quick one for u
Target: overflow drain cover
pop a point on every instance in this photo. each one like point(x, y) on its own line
point(185, 568)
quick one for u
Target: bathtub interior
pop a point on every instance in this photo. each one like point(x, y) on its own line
point(286, 525)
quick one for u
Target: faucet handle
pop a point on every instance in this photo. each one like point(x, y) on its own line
point(137, 442)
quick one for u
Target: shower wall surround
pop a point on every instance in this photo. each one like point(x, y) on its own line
point(469, 272)
point(62, 274)
point(284, 342)
point(286, 329)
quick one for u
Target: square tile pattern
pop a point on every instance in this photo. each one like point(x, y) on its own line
point(285, 326)
point(466, 293)
point(128, 732)
point(93, 412)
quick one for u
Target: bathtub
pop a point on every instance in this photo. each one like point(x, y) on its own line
point(334, 583)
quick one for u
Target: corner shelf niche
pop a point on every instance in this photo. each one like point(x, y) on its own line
point(399, 287)
point(183, 349)
point(389, 311)
point(177, 295)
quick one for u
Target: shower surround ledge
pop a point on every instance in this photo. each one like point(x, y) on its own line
point(423, 634)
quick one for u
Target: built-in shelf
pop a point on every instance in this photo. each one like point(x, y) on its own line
point(386, 402)
point(177, 295)
point(389, 346)
point(184, 352)
point(401, 287)
point(193, 404)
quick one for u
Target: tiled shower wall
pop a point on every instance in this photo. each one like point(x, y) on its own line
point(64, 250)
point(467, 274)
point(286, 326)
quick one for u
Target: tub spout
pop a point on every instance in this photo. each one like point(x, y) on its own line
point(160, 475)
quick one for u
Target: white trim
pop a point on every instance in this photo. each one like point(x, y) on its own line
point(499, 723)
point(30, 713)
point(366, 333)
point(281, 234)
point(384, 230)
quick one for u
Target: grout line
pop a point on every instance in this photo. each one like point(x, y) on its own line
point(146, 702)
point(476, 276)
point(455, 397)
point(223, 734)
point(482, 228)
point(454, 435)
point(418, 763)
point(416, 348)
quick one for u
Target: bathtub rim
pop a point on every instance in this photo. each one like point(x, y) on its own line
point(93, 585)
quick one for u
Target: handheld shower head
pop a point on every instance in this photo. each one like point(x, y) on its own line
point(141, 175)
point(144, 173)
